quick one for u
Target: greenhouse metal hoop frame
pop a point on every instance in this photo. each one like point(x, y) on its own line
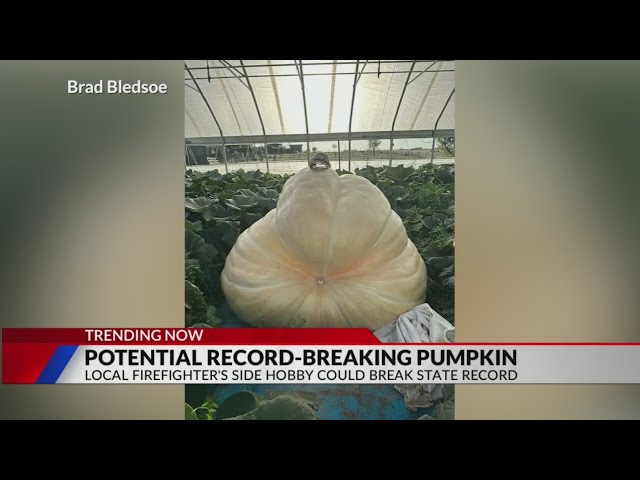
point(241, 74)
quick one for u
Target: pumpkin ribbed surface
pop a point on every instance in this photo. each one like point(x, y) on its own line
point(331, 254)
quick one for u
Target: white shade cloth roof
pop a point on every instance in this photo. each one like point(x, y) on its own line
point(329, 90)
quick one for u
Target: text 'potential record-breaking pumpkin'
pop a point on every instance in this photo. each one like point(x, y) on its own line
point(331, 254)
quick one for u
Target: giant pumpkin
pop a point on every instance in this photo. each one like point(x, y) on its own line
point(331, 254)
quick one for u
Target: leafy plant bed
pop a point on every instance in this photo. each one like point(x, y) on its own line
point(218, 207)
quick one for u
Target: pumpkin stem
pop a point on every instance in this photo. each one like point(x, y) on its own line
point(319, 160)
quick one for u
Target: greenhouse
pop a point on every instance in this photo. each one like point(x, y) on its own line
point(359, 112)
point(321, 194)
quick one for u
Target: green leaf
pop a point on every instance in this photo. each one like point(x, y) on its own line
point(262, 192)
point(266, 198)
point(440, 263)
point(445, 174)
point(246, 199)
point(207, 254)
point(218, 212)
point(396, 193)
point(200, 325)
point(249, 219)
point(447, 272)
point(427, 179)
point(413, 227)
point(414, 217)
point(254, 175)
point(193, 242)
point(243, 202)
point(193, 226)
point(229, 232)
point(426, 417)
point(192, 268)
point(189, 413)
point(198, 205)
point(212, 319)
point(193, 295)
point(237, 404)
point(399, 173)
point(446, 410)
point(402, 213)
point(283, 407)
point(429, 222)
point(369, 172)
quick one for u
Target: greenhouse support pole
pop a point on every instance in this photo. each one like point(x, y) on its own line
point(435, 128)
point(393, 125)
point(339, 164)
point(304, 102)
point(424, 71)
point(321, 74)
point(253, 95)
point(233, 71)
point(224, 148)
point(353, 98)
point(191, 156)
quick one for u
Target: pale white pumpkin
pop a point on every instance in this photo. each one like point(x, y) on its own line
point(331, 254)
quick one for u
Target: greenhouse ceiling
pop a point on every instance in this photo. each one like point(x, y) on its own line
point(251, 101)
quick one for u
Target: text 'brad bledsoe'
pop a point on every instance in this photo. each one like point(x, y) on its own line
point(116, 87)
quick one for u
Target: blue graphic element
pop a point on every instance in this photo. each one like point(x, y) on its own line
point(57, 364)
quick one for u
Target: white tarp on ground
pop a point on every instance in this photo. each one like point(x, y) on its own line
point(329, 89)
point(420, 325)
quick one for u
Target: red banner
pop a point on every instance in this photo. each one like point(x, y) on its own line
point(190, 336)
